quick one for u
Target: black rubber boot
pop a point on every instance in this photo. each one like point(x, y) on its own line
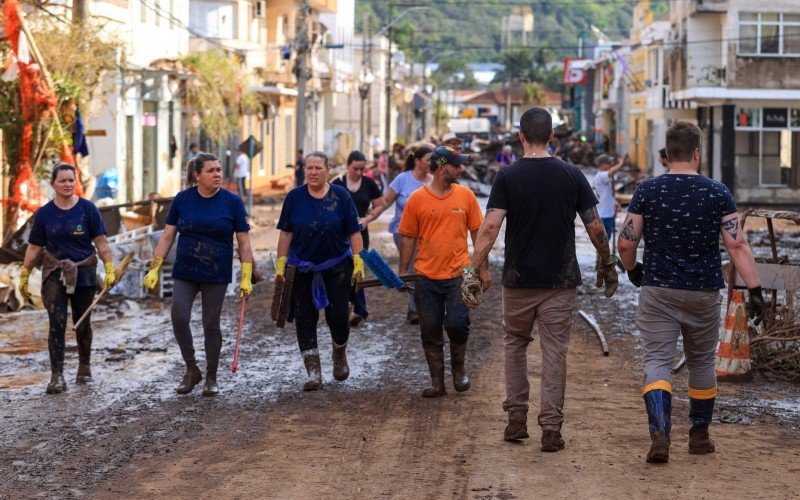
point(84, 375)
point(191, 378)
point(57, 383)
point(457, 354)
point(314, 370)
point(434, 355)
point(701, 412)
point(517, 427)
point(210, 388)
point(341, 370)
point(659, 414)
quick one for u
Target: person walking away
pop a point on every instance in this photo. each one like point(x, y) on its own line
point(681, 215)
point(320, 235)
point(207, 218)
point(540, 196)
point(436, 220)
point(67, 230)
point(416, 174)
point(299, 169)
point(380, 172)
point(241, 172)
point(608, 205)
point(365, 193)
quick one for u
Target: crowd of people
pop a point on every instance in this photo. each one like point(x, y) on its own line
point(324, 229)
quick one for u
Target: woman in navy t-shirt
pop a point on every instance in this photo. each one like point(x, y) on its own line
point(67, 230)
point(207, 217)
point(320, 235)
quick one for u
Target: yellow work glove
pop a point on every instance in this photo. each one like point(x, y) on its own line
point(280, 266)
point(111, 277)
point(151, 280)
point(246, 286)
point(358, 269)
point(24, 273)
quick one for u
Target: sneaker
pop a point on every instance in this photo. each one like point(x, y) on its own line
point(552, 441)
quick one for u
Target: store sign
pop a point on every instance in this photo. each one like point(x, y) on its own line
point(575, 71)
point(776, 118)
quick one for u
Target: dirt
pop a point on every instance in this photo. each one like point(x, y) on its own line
point(129, 435)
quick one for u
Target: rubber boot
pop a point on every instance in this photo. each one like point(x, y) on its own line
point(191, 378)
point(517, 427)
point(457, 354)
point(434, 355)
point(210, 388)
point(659, 413)
point(700, 413)
point(412, 317)
point(340, 368)
point(552, 441)
point(314, 369)
point(84, 375)
point(57, 383)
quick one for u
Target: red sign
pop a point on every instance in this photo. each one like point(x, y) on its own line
point(575, 71)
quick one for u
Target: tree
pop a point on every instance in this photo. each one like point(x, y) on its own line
point(454, 73)
point(517, 66)
point(533, 94)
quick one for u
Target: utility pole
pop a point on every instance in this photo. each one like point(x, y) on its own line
point(362, 130)
point(388, 145)
point(301, 43)
point(80, 11)
point(368, 130)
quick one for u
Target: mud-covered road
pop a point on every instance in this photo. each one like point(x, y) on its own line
point(129, 435)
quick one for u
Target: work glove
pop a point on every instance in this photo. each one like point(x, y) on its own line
point(24, 274)
point(280, 269)
point(636, 275)
point(756, 307)
point(151, 279)
point(246, 286)
point(358, 270)
point(111, 277)
point(607, 275)
point(471, 290)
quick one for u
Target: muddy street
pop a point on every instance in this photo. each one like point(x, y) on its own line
point(129, 435)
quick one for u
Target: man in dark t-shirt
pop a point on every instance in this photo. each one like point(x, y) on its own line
point(540, 196)
point(681, 215)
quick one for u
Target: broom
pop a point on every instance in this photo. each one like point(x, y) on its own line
point(382, 271)
point(123, 266)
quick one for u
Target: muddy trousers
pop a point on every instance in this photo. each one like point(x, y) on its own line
point(213, 295)
point(440, 306)
point(664, 315)
point(412, 306)
point(551, 310)
point(337, 313)
point(56, 300)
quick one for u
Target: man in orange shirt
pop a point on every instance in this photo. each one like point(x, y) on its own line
point(436, 219)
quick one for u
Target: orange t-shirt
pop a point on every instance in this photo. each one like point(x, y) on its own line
point(440, 224)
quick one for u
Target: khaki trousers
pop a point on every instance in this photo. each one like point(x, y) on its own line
point(551, 309)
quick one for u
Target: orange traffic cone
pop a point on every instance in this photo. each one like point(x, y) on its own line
point(733, 355)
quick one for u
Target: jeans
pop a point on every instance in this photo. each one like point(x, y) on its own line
point(608, 222)
point(337, 313)
point(55, 298)
point(213, 295)
point(439, 305)
point(397, 239)
point(241, 185)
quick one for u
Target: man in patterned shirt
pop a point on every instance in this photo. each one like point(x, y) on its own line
point(681, 215)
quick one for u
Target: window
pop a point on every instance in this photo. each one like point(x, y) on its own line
point(767, 142)
point(769, 34)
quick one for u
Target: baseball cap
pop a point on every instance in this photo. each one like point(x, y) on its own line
point(445, 154)
point(450, 136)
point(604, 159)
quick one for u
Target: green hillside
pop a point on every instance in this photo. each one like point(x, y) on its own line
point(469, 30)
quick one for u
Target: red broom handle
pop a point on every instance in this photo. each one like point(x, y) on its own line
point(235, 365)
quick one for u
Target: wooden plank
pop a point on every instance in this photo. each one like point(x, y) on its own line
point(772, 276)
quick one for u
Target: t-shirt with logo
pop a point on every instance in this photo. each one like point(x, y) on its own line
point(68, 234)
point(541, 197)
point(440, 224)
point(682, 214)
point(605, 192)
point(206, 227)
point(320, 228)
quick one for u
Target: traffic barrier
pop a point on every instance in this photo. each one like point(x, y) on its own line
point(733, 354)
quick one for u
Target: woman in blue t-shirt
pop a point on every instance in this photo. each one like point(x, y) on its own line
point(67, 230)
point(320, 235)
point(207, 217)
point(417, 173)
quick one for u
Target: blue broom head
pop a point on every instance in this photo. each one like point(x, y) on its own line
point(381, 269)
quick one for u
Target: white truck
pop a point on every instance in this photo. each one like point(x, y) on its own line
point(465, 128)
